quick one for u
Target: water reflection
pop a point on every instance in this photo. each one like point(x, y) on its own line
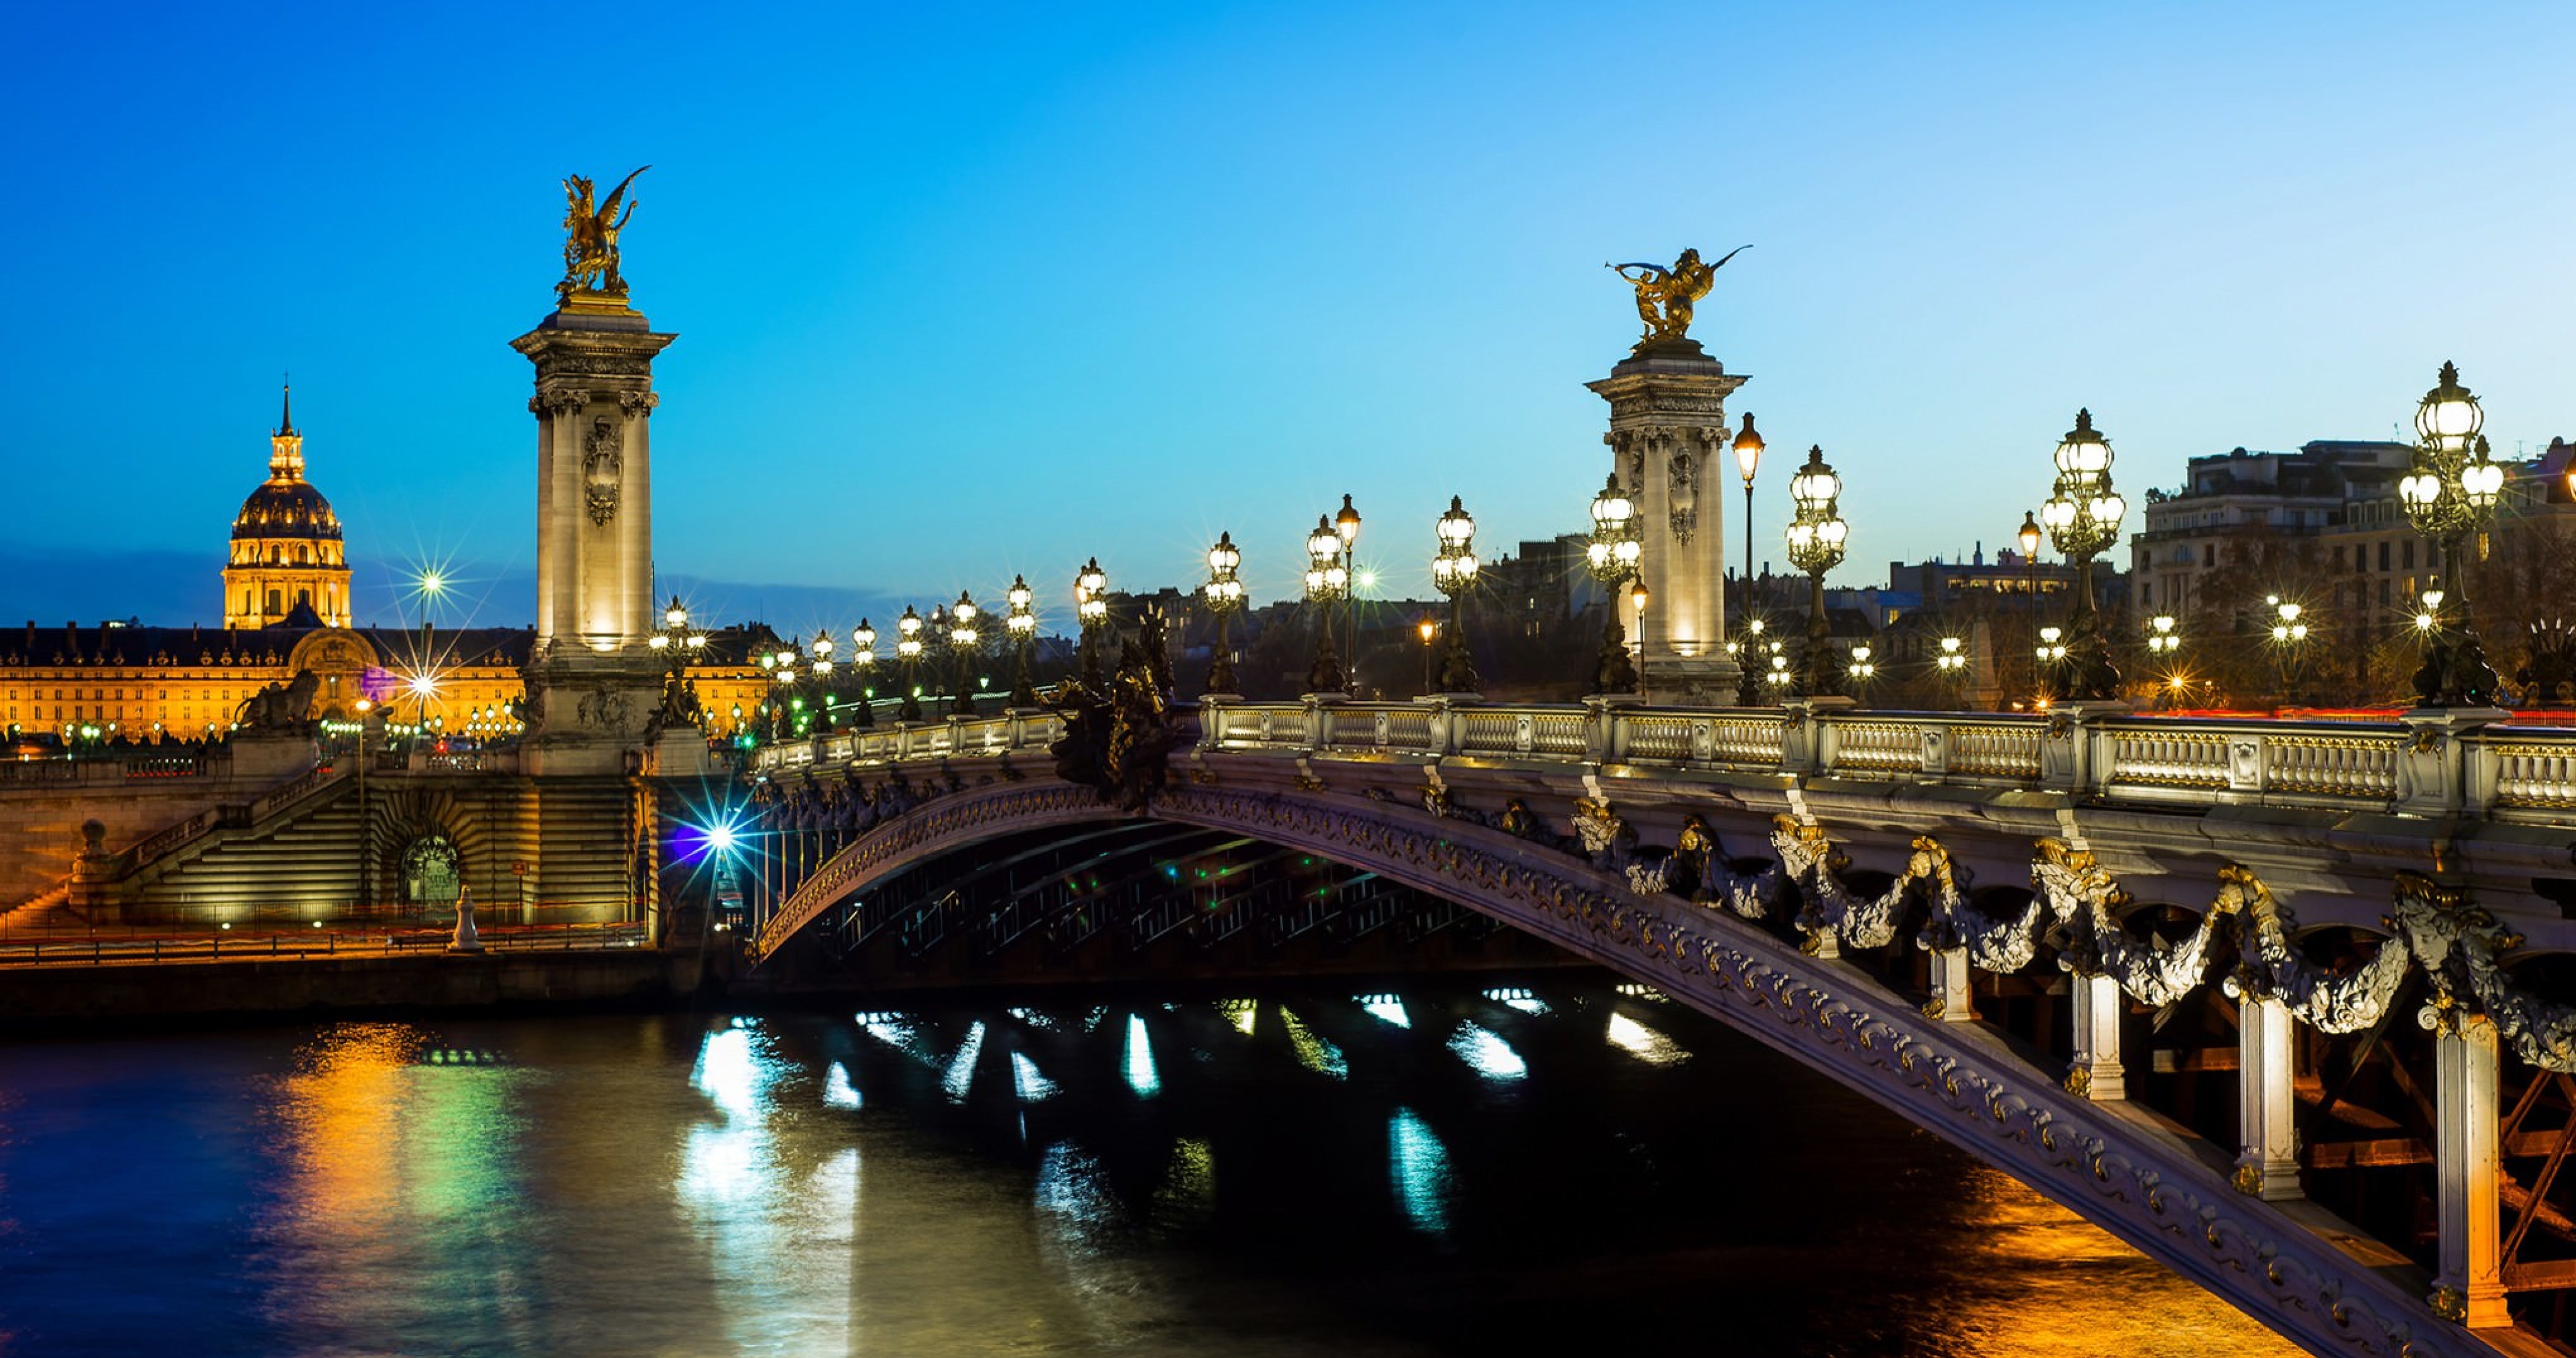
point(1138, 1060)
point(1487, 1053)
point(1419, 1164)
point(672, 1186)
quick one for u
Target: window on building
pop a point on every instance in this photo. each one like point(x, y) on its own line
point(272, 603)
point(2383, 565)
point(2209, 553)
point(2383, 585)
point(2406, 554)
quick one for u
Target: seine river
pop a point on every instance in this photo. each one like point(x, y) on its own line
point(1448, 1170)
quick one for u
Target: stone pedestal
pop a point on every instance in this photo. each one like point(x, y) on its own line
point(588, 713)
point(1669, 442)
point(2431, 767)
point(593, 404)
point(593, 680)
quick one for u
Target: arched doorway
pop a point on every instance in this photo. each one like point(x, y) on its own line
point(432, 873)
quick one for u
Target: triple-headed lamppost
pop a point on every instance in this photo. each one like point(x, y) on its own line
point(1022, 624)
point(2083, 517)
point(2450, 493)
point(1452, 572)
point(1224, 595)
point(1816, 537)
point(1327, 579)
point(907, 648)
point(1613, 556)
point(863, 660)
point(965, 643)
point(822, 668)
point(1091, 612)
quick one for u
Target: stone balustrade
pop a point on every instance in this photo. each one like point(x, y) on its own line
point(2431, 763)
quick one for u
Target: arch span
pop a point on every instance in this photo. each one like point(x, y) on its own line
point(2118, 1166)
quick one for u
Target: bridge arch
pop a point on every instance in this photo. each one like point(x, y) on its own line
point(2118, 1166)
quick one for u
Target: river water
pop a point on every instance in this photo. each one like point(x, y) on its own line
point(1295, 1172)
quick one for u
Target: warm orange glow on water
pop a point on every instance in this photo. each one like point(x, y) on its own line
point(2060, 1287)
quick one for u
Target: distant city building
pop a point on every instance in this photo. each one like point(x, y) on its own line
point(287, 611)
point(287, 551)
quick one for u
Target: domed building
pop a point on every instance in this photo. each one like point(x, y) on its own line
point(286, 552)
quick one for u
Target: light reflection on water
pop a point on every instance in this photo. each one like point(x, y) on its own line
point(1326, 1184)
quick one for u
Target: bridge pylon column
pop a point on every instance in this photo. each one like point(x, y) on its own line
point(2267, 1163)
point(1669, 444)
point(2096, 1072)
point(2469, 1287)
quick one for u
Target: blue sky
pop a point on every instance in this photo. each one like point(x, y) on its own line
point(968, 292)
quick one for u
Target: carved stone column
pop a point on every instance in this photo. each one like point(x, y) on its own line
point(2469, 1286)
point(2267, 1164)
point(1669, 443)
point(2096, 1072)
point(594, 684)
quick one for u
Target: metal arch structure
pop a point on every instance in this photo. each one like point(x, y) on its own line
point(1618, 834)
point(2117, 1165)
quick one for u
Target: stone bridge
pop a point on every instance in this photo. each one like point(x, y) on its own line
point(2269, 1000)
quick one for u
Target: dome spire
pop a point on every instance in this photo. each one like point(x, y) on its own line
point(286, 447)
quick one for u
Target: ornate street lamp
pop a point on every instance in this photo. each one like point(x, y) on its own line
point(965, 642)
point(1816, 536)
point(863, 660)
point(1862, 669)
point(1224, 594)
point(1612, 556)
point(1453, 571)
point(2083, 517)
point(822, 667)
point(2052, 655)
point(678, 645)
point(1346, 526)
point(1091, 613)
point(2289, 638)
point(1950, 661)
point(1327, 579)
point(1748, 455)
point(907, 648)
point(1021, 623)
point(2450, 493)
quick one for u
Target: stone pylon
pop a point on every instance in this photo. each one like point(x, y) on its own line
point(594, 681)
point(1669, 444)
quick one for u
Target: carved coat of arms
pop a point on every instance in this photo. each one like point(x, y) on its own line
point(601, 466)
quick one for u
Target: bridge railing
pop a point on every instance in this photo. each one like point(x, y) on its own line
point(2430, 763)
point(1016, 731)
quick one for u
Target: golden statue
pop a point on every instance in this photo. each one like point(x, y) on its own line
point(1665, 296)
point(590, 250)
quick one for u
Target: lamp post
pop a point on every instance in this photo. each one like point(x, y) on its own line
point(822, 666)
point(2029, 535)
point(1816, 537)
point(2450, 493)
point(863, 661)
point(1346, 526)
point(965, 641)
point(2051, 653)
point(1950, 662)
point(2164, 645)
point(677, 643)
point(1022, 625)
point(907, 648)
point(1612, 556)
point(2083, 517)
point(1428, 630)
point(1327, 579)
point(1453, 571)
point(1224, 594)
point(1748, 455)
point(2289, 638)
point(1090, 611)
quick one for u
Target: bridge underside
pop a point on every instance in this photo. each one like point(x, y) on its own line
point(1029, 862)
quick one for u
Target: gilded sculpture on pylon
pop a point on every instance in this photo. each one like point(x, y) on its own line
point(1665, 296)
point(590, 243)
